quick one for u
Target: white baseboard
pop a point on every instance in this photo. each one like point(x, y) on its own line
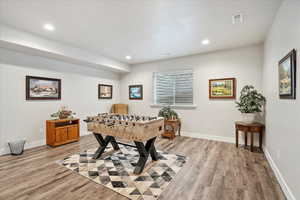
point(83, 133)
point(218, 138)
point(208, 137)
point(285, 188)
point(5, 150)
point(2, 151)
point(42, 142)
point(35, 144)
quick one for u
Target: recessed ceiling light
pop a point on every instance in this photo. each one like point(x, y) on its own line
point(128, 57)
point(49, 27)
point(205, 42)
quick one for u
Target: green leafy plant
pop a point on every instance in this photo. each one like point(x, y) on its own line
point(251, 100)
point(167, 113)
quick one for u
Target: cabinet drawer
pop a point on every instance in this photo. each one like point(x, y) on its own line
point(73, 133)
point(255, 129)
point(62, 131)
point(242, 128)
point(61, 135)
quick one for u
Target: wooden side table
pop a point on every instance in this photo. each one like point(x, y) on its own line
point(249, 128)
point(171, 127)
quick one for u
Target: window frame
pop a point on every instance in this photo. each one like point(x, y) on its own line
point(174, 105)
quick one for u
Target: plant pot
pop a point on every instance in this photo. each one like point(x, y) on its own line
point(248, 117)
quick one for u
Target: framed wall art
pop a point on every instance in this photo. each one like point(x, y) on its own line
point(222, 88)
point(136, 92)
point(41, 88)
point(105, 91)
point(287, 76)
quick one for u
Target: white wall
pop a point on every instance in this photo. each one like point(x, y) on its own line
point(1, 112)
point(26, 119)
point(282, 116)
point(211, 118)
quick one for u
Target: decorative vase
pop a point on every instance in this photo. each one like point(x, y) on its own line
point(248, 117)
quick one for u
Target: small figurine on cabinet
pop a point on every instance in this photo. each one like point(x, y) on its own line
point(172, 122)
point(63, 113)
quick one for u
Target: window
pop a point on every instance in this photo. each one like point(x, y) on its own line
point(173, 88)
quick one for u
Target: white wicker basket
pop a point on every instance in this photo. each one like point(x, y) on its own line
point(16, 147)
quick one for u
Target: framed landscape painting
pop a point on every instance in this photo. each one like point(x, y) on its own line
point(222, 88)
point(287, 76)
point(105, 91)
point(136, 92)
point(41, 88)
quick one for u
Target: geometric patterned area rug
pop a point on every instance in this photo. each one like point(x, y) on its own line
point(114, 170)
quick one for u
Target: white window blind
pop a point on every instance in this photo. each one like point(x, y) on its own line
point(173, 88)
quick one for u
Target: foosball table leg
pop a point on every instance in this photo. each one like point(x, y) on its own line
point(150, 147)
point(103, 144)
point(99, 139)
point(114, 144)
point(144, 151)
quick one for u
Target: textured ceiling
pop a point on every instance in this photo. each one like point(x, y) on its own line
point(147, 30)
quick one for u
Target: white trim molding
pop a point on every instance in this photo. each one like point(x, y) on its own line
point(83, 133)
point(35, 144)
point(38, 143)
point(208, 137)
point(284, 186)
point(2, 151)
point(174, 106)
point(30, 145)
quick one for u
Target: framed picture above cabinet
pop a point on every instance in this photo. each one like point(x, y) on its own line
point(41, 88)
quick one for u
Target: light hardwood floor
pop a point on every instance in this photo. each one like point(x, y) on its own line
point(214, 171)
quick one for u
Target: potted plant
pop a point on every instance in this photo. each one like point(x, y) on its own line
point(250, 103)
point(167, 113)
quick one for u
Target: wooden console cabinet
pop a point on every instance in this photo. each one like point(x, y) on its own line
point(62, 131)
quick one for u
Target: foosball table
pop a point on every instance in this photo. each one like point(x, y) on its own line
point(142, 130)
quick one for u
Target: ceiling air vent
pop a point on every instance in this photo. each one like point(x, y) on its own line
point(237, 19)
